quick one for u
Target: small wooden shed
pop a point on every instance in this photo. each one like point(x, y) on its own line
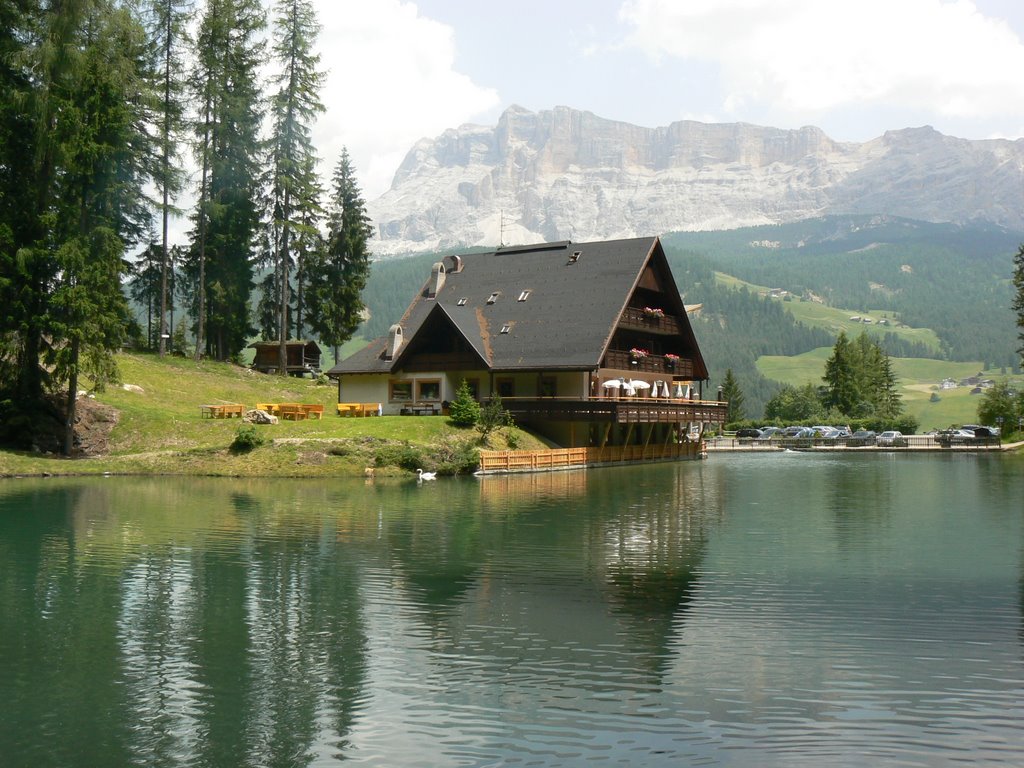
point(303, 357)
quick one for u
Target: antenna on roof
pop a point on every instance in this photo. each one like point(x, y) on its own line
point(501, 228)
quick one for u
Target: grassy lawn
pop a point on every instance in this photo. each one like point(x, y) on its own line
point(160, 430)
point(918, 378)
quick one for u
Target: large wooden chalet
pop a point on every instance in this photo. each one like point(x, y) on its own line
point(562, 331)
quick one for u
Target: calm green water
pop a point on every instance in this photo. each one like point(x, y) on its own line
point(772, 610)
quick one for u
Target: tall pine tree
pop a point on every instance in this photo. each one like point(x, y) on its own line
point(337, 275)
point(225, 87)
point(293, 186)
point(105, 161)
point(732, 394)
point(168, 40)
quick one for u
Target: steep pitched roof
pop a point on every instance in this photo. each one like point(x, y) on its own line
point(560, 302)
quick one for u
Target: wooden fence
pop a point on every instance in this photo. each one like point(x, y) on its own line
point(567, 458)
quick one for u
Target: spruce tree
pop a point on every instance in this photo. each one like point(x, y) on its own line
point(225, 87)
point(167, 39)
point(293, 184)
point(732, 394)
point(842, 391)
point(338, 273)
point(98, 198)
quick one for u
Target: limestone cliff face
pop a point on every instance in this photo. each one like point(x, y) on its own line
point(566, 174)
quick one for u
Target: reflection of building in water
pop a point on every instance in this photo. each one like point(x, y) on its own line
point(501, 492)
point(588, 559)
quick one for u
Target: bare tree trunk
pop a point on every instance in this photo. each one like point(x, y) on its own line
point(69, 421)
point(282, 354)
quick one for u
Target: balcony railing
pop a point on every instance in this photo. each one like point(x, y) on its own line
point(623, 360)
point(636, 318)
point(627, 410)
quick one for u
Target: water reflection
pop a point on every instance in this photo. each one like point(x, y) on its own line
point(797, 607)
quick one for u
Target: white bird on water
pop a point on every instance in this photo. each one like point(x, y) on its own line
point(426, 475)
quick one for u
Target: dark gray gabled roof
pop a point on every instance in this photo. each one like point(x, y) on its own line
point(577, 292)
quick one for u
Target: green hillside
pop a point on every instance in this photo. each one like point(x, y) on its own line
point(836, 319)
point(919, 379)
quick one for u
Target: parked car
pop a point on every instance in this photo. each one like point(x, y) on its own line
point(861, 437)
point(748, 432)
point(769, 432)
point(795, 431)
point(891, 439)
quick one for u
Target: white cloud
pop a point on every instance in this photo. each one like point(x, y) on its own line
point(799, 59)
point(392, 81)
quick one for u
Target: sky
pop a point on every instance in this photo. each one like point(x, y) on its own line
point(402, 70)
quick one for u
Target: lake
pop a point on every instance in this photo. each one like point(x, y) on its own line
point(771, 610)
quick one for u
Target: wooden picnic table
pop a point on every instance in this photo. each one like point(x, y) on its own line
point(225, 411)
point(359, 409)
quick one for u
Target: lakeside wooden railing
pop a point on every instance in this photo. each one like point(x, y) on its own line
point(566, 458)
point(625, 410)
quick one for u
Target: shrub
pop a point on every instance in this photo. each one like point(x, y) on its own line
point(399, 455)
point(246, 439)
point(493, 416)
point(464, 411)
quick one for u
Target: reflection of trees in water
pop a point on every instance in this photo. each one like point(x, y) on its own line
point(222, 641)
point(223, 622)
point(57, 632)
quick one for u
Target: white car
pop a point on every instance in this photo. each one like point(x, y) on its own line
point(891, 438)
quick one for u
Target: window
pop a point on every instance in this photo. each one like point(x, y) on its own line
point(401, 391)
point(524, 296)
point(428, 390)
point(506, 328)
point(492, 298)
point(548, 386)
point(506, 387)
point(462, 302)
point(474, 388)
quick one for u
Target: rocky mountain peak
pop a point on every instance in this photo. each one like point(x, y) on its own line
point(569, 174)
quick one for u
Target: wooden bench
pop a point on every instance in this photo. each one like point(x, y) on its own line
point(291, 411)
point(225, 411)
point(359, 409)
point(313, 409)
point(270, 408)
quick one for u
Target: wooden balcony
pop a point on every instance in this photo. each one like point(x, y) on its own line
point(627, 410)
point(637, 319)
point(624, 361)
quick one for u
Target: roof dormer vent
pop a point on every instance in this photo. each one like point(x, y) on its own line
point(456, 263)
point(394, 342)
point(436, 280)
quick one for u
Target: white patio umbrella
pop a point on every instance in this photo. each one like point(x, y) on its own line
point(678, 393)
point(612, 384)
point(637, 384)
